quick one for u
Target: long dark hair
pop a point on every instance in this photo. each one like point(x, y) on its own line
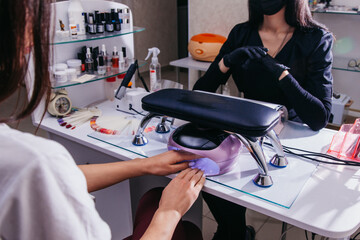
point(18, 19)
point(297, 14)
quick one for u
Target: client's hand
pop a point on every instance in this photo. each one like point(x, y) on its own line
point(182, 191)
point(240, 55)
point(168, 162)
point(176, 199)
point(272, 66)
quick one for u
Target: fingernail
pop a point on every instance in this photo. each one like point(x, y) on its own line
point(191, 164)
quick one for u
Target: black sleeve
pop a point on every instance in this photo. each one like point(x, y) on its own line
point(312, 102)
point(213, 76)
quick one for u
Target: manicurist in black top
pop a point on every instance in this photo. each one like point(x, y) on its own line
point(281, 55)
point(303, 83)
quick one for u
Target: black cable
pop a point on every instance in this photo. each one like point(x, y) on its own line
point(141, 78)
point(354, 238)
point(310, 156)
point(133, 109)
point(313, 236)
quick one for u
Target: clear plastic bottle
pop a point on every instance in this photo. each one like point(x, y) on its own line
point(89, 62)
point(155, 69)
point(110, 87)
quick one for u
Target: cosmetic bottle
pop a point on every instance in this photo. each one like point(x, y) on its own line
point(112, 17)
point(115, 58)
point(89, 62)
point(85, 15)
point(95, 55)
point(126, 59)
point(101, 67)
point(91, 24)
point(107, 61)
point(155, 69)
point(121, 61)
point(75, 13)
point(117, 25)
point(109, 25)
point(100, 28)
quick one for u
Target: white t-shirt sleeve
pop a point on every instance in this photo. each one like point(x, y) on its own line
point(48, 199)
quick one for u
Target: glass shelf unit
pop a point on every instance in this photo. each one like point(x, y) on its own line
point(335, 11)
point(112, 73)
point(342, 64)
point(90, 37)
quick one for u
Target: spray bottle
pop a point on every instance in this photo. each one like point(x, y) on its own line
point(155, 69)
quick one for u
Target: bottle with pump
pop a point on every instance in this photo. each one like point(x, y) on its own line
point(75, 14)
point(155, 69)
point(89, 62)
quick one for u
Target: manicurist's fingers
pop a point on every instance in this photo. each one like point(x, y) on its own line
point(179, 166)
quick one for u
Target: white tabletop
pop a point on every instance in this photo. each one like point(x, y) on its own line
point(190, 63)
point(327, 205)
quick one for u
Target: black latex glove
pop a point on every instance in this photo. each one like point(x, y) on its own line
point(272, 66)
point(240, 55)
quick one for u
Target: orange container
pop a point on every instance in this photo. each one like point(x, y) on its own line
point(205, 46)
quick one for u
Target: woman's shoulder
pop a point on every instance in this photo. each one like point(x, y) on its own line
point(244, 26)
point(25, 149)
point(312, 38)
point(315, 35)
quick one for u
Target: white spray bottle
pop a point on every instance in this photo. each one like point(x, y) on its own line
point(155, 69)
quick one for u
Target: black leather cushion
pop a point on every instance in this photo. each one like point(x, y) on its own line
point(214, 111)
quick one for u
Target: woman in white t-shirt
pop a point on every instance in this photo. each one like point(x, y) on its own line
point(43, 194)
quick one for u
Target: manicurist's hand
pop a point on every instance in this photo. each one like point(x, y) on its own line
point(168, 162)
point(176, 199)
point(278, 70)
point(240, 55)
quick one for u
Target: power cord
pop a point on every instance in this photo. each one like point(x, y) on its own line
point(287, 230)
point(324, 158)
point(354, 238)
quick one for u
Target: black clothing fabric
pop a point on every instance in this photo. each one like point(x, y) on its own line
point(229, 216)
point(306, 91)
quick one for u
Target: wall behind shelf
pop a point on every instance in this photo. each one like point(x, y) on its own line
point(159, 17)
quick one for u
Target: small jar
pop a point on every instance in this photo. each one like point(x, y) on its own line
point(60, 76)
point(75, 63)
point(71, 74)
point(59, 67)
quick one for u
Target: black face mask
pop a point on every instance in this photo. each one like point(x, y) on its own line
point(270, 7)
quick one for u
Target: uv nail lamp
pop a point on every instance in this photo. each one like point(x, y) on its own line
point(218, 148)
point(248, 121)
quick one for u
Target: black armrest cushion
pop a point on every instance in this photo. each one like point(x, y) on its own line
point(215, 111)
